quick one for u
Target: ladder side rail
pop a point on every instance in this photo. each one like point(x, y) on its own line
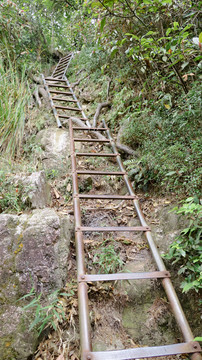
point(78, 103)
point(68, 64)
point(84, 318)
point(167, 284)
point(58, 65)
point(63, 60)
point(51, 102)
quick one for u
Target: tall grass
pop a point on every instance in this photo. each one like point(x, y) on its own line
point(14, 96)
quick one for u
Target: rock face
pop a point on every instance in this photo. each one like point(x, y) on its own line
point(34, 250)
point(170, 225)
point(56, 148)
point(36, 191)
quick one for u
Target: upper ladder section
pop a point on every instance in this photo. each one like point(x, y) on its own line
point(62, 66)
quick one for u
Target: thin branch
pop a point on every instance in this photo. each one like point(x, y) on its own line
point(108, 87)
point(124, 148)
point(36, 96)
point(97, 114)
point(114, 14)
point(78, 81)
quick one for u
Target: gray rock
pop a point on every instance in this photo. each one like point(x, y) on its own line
point(35, 190)
point(170, 225)
point(56, 148)
point(34, 250)
point(138, 291)
point(149, 324)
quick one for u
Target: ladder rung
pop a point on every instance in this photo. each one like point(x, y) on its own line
point(62, 65)
point(64, 60)
point(59, 76)
point(113, 228)
point(107, 196)
point(54, 79)
point(146, 352)
point(97, 172)
point(61, 86)
point(63, 99)
point(60, 72)
point(60, 92)
point(124, 276)
point(92, 140)
point(67, 108)
point(70, 116)
point(97, 154)
point(89, 129)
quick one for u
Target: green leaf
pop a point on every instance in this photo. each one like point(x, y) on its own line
point(176, 25)
point(103, 22)
point(200, 37)
point(133, 36)
point(198, 338)
point(168, 31)
point(184, 65)
point(198, 58)
point(113, 51)
point(171, 173)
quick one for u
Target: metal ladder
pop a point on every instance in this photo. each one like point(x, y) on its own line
point(189, 346)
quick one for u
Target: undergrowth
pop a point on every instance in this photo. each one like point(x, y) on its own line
point(186, 250)
point(50, 314)
point(168, 144)
point(14, 98)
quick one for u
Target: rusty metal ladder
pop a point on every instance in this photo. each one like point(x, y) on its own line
point(189, 345)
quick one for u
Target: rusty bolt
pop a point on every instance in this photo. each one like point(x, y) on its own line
point(195, 346)
point(88, 357)
point(82, 277)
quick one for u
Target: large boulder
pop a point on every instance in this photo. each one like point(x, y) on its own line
point(55, 144)
point(34, 251)
point(35, 189)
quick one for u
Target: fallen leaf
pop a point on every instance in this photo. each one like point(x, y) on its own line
point(69, 187)
point(185, 77)
point(61, 357)
point(57, 195)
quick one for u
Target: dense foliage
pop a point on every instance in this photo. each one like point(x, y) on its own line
point(186, 250)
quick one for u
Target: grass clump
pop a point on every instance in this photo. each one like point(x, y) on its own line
point(108, 259)
point(14, 98)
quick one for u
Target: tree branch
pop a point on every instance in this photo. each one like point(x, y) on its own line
point(97, 114)
point(124, 148)
point(78, 81)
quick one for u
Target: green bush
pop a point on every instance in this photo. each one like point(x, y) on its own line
point(168, 144)
point(186, 250)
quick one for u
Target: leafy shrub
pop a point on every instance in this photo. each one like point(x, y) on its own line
point(186, 250)
point(169, 145)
